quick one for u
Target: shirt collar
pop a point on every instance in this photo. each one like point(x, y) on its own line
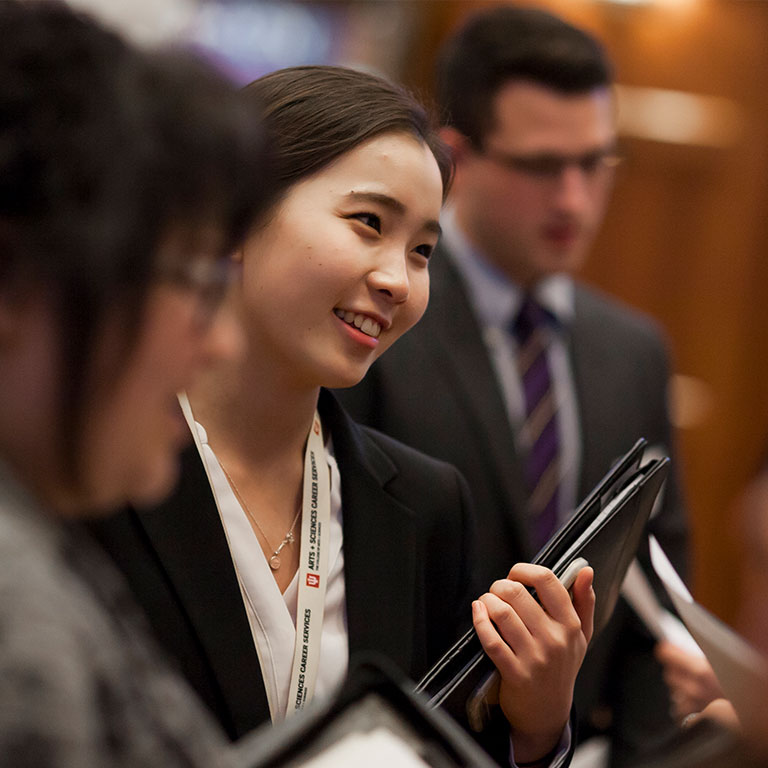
point(494, 297)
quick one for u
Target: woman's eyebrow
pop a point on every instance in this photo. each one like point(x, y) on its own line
point(394, 205)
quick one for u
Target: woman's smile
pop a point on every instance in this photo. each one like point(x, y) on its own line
point(357, 334)
point(362, 322)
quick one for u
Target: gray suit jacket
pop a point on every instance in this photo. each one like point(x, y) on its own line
point(436, 390)
point(83, 686)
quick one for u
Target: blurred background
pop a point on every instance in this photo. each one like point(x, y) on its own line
point(686, 235)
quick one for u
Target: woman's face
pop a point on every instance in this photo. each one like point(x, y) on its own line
point(134, 428)
point(340, 270)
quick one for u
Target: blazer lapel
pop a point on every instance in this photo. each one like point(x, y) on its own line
point(189, 539)
point(459, 350)
point(595, 384)
point(379, 544)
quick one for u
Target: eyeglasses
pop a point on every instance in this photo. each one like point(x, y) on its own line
point(205, 275)
point(548, 167)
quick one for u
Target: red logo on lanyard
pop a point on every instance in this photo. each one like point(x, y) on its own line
point(313, 580)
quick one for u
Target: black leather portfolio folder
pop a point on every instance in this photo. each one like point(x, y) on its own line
point(605, 530)
point(375, 718)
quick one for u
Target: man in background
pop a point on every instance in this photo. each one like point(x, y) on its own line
point(528, 381)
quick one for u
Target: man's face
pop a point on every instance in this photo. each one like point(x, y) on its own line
point(533, 196)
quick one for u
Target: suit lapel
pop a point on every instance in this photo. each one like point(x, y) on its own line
point(595, 384)
point(379, 544)
point(460, 352)
point(189, 539)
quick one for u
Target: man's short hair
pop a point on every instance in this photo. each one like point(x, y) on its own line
point(513, 43)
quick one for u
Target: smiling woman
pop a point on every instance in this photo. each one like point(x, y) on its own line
point(353, 242)
point(381, 559)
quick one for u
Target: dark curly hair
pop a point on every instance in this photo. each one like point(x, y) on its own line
point(103, 151)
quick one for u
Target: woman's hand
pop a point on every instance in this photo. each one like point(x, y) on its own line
point(538, 650)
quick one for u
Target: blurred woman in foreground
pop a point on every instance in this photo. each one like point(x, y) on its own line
point(122, 193)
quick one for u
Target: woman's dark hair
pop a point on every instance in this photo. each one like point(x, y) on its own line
point(103, 152)
point(316, 114)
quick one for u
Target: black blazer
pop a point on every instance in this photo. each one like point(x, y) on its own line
point(436, 390)
point(407, 550)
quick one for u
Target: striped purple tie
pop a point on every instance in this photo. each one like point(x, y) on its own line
point(542, 469)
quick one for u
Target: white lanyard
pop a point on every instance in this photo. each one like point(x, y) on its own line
point(313, 569)
point(313, 560)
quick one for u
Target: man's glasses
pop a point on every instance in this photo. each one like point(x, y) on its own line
point(548, 167)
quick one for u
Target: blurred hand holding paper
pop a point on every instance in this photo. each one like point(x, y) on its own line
point(739, 668)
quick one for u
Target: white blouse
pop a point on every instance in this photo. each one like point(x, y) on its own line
point(272, 615)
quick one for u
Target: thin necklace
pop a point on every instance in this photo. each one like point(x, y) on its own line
point(274, 559)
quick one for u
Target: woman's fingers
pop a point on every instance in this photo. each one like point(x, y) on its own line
point(584, 600)
point(554, 598)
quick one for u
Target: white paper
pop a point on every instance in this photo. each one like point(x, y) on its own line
point(663, 625)
point(379, 748)
point(739, 668)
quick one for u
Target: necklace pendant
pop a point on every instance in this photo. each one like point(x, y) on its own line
point(274, 562)
point(289, 537)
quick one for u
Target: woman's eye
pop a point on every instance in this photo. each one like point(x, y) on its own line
point(424, 250)
point(369, 219)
